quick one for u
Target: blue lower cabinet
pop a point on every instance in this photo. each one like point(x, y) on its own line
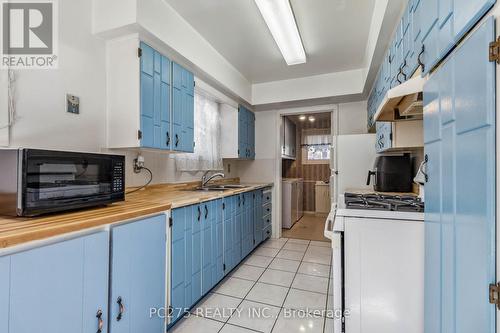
point(247, 224)
point(229, 237)
point(196, 254)
point(181, 258)
point(212, 245)
point(257, 217)
point(218, 244)
point(138, 279)
point(57, 288)
point(238, 229)
point(4, 293)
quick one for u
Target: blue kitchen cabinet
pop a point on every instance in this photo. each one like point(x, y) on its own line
point(196, 254)
point(257, 217)
point(138, 267)
point(229, 236)
point(384, 136)
point(182, 109)
point(246, 133)
point(459, 126)
point(155, 99)
point(238, 228)
point(181, 259)
point(4, 293)
point(218, 243)
point(57, 288)
point(248, 222)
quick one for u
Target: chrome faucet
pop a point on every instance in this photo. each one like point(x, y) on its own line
point(205, 179)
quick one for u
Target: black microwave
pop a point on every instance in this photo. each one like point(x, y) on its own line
point(35, 182)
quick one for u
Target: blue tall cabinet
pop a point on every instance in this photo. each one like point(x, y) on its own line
point(167, 103)
point(459, 130)
point(58, 288)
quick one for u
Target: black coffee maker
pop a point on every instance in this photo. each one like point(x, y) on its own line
point(392, 174)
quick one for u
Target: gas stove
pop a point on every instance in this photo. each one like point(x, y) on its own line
point(377, 201)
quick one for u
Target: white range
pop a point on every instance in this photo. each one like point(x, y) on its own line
point(378, 270)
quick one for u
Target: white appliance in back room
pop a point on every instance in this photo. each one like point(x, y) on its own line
point(293, 201)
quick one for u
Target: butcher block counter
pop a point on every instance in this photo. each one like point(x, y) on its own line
point(153, 200)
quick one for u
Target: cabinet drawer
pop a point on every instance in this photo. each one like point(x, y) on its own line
point(267, 197)
point(267, 209)
point(267, 221)
point(267, 232)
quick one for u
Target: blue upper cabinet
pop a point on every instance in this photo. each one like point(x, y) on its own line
point(427, 32)
point(182, 109)
point(138, 266)
point(246, 133)
point(64, 287)
point(384, 136)
point(155, 99)
point(167, 103)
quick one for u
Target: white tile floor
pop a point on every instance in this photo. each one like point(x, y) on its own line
point(282, 287)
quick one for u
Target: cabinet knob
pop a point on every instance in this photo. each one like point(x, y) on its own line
point(121, 309)
point(100, 321)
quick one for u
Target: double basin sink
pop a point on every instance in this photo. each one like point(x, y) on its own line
point(221, 187)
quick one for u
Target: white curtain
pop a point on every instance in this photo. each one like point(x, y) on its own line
point(316, 137)
point(207, 138)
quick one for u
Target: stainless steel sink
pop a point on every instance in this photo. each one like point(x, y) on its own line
point(221, 187)
point(236, 186)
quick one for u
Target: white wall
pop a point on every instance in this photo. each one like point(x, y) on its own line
point(41, 94)
point(4, 118)
point(353, 118)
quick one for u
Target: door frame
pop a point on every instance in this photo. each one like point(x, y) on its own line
point(329, 108)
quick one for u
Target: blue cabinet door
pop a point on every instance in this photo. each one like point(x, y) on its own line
point(251, 135)
point(58, 288)
point(242, 132)
point(138, 266)
point(183, 109)
point(238, 229)
point(459, 121)
point(212, 242)
point(155, 99)
point(196, 254)
point(229, 220)
point(4, 293)
point(218, 244)
point(257, 217)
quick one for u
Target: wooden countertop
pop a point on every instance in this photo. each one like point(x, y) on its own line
point(153, 200)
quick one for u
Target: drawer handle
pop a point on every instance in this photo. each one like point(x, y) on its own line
point(121, 308)
point(100, 321)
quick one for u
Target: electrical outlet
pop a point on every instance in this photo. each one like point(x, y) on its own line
point(138, 163)
point(73, 104)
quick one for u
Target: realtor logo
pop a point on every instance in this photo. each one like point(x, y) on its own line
point(29, 34)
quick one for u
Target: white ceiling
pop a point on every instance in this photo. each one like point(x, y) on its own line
point(334, 33)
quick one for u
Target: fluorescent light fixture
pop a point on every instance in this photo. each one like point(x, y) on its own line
point(312, 119)
point(279, 18)
point(302, 118)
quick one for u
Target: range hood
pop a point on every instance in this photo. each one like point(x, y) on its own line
point(403, 102)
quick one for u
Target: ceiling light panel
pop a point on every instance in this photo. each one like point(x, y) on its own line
point(279, 18)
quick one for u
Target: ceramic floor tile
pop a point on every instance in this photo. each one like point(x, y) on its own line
point(235, 329)
point(310, 268)
point(266, 252)
point(319, 250)
point(248, 272)
point(328, 325)
point(259, 261)
point(285, 265)
point(298, 322)
point(298, 241)
point(274, 243)
point(217, 307)
point(311, 283)
point(279, 278)
point(268, 294)
point(321, 244)
point(306, 301)
point(291, 255)
point(317, 258)
point(255, 316)
point(235, 287)
point(195, 324)
point(295, 247)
